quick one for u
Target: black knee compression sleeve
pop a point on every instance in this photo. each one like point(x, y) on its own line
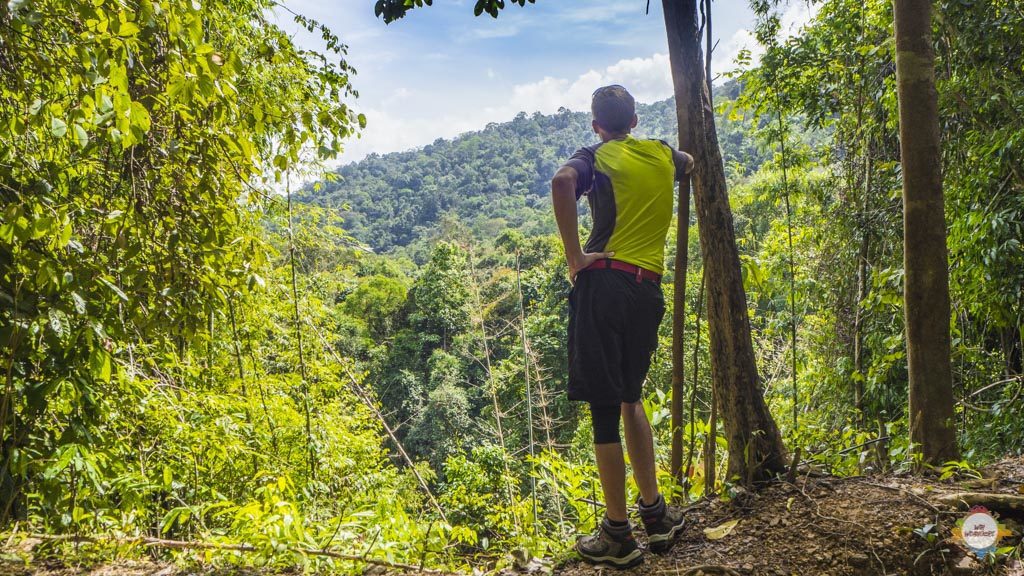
point(606, 423)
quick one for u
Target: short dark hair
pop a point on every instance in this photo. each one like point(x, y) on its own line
point(613, 108)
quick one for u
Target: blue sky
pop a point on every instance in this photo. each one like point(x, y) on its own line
point(441, 71)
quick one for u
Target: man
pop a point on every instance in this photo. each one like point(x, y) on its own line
point(615, 307)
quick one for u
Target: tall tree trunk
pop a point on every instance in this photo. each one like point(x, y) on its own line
point(862, 292)
point(925, 260)
point(678, 324)
point(755, 445)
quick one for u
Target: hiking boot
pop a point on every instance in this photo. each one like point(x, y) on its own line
point(663, 523)
point(611, 546)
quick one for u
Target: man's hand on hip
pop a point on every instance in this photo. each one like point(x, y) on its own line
point(563, 200)
point(577, 263)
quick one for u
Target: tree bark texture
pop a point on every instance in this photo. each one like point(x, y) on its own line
point(755, 445)
point(925, 260)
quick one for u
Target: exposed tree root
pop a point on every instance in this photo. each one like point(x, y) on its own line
point(989, 500)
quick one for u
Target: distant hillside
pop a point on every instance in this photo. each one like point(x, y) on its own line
point(490, 180)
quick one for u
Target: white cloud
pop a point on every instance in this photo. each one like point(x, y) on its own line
point(408, 119)
point(391, 130)
point(796, 16)
point(648, 79)
point(723, 57)
point(597, 12)
point(494, 32)
point(400, 95)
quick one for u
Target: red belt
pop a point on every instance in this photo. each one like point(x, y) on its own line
point(640, 273)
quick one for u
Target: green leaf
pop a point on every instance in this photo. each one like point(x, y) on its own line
point(127, 29)
point(180, 515)
point(114, 288)
point(42, 226)
point(79, 302)
point(65, 235)
point(256, 280)
point(58, 322)
point(58, 128)
point(81, 138)
point(140, 116)
point(64, 458)
point(99, 364)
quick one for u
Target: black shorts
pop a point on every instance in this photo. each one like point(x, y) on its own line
point(613, 332)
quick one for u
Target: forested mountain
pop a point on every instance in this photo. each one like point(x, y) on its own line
point(497, 178)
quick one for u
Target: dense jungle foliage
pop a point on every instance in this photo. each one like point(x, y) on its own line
point(376, 367)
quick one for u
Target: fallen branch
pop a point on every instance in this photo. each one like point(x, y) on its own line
point(990, 500)
point(186, 545)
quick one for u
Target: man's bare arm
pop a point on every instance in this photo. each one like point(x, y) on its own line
point(563, 199)
point(683, 162)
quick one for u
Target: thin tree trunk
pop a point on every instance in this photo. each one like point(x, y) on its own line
point(311, 463)
point(678, 324)
point(862, 292)
point(529, 392)
point(925, 260)
point(1010, 340)
point(755, 445)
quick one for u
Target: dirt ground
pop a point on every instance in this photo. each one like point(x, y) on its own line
point(814, 526)
point(825, 526)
